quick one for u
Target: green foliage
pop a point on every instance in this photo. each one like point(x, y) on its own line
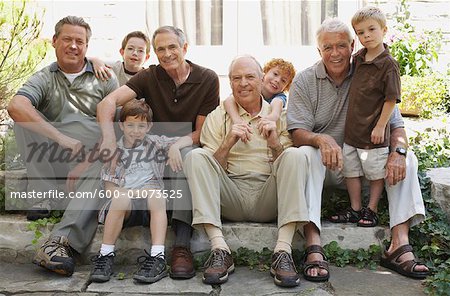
point(252, 259)
point(432, 148)
point(21, 49)
point(360, 258)
point(9, 152)
point(433, 235)
point(121, 276)
point(415, 51)
point(37, 226)
point(425, 95)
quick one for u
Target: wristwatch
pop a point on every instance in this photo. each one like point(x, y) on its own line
point(401, 151)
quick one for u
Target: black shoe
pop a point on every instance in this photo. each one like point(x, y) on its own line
point(151, 269)
point(102, 270)
point(55, 255)
point(283, 270)
point(39, 211)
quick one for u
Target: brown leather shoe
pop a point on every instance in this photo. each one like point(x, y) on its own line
point(217, 267)
point(283, 270)
point(182, 266)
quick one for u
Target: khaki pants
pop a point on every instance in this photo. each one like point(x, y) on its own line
point(251, 197)
point(405, 198)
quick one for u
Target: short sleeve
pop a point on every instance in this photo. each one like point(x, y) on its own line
point(36, 87)
point(211, 98)
point(300, 112)
point(392, 89)
point(282, 97)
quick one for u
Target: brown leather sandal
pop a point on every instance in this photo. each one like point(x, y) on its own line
point(405, 268)
point(322, 264)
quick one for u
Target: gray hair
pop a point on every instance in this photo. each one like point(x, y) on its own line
point(333, 25)
point(170, 29)
point(260, 70)
point(74, 21)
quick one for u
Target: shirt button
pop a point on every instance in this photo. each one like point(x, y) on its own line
point(175, 100)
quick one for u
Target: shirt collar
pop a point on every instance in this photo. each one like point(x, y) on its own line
point(194, 77)
point(321, 73)
point(264, 109)
point(378, 61)
point(54, 66)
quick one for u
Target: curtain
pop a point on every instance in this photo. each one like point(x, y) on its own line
point(294, 23)
point(201, 20)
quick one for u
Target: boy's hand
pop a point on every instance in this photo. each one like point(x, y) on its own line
point(377, 136)
point(102, 73)
point(174, 159)
point(101, 70)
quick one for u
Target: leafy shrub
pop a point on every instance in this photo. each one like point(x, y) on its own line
point(432, 148)
point(433, 238)
point(21, 50)
point(425, 95)
point(415, 51)
point(9, 153)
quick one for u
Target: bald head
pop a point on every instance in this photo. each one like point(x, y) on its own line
point(246, 80)
point(245, 58)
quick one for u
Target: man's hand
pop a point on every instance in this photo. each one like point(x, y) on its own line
point(395, 168)
point(377, 136)
point(330, 151)
point(70, 143)
point(109, 154)
point(238, 131)
point(266, 127)
point(74, 175)
point(268, 130)
point(174, 160)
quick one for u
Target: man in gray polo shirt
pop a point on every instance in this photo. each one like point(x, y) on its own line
point(57, 108)
point(316, 118)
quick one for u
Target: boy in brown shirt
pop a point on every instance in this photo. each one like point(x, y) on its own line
point(374, 90)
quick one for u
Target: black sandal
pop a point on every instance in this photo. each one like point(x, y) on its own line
point(322, 264)
point(368, 215)
point(348, 215)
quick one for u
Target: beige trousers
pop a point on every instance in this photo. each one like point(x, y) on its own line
point(405, 198)
point(293, 193)
point(251, 197)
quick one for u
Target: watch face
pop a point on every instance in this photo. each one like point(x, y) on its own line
point(401, 151)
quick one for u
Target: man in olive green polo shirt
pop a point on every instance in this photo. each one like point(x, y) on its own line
point(57, 108)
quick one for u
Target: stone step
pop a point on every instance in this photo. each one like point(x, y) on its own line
point(16, 240)
point(440, 187)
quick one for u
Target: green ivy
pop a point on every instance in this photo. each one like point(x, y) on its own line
point(39, 224)
point(432, 148)
point(433, 235)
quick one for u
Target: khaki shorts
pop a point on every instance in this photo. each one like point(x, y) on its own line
point(370, 163)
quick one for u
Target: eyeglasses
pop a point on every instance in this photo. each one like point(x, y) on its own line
point(138, 51)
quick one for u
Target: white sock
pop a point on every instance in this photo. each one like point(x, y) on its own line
point(157, 249)
point(106, 249)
